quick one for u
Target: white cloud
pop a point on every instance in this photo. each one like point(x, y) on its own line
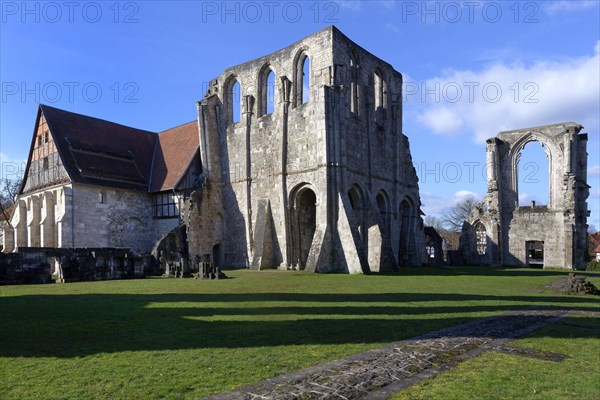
point(442, 120)
point(509, 96)
point(461, 194)
point(392, 28)
point(557, 7)
point(388, 4)
point(434, 203)
point(593, 171)
point(352, 5)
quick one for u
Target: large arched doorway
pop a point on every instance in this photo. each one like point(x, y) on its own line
point(305, 223)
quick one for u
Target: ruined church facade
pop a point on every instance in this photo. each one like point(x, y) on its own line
point(305, 164)
point(503, 232)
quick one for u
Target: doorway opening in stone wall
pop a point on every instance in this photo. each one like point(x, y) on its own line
point(305, 221)
point(535, 253)
point(216, 255)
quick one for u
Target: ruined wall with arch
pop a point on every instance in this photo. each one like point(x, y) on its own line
point(313, 174)
point(552, 235)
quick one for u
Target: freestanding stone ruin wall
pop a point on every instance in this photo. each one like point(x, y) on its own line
point(501, 231)
point(305, 163)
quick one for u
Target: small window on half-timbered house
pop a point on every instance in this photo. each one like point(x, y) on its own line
point(165, 206)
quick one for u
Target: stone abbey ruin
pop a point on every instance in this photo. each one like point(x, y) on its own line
point(297, 160)
point(502, 232)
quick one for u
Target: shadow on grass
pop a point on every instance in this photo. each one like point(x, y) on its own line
point(80, 325)
point(479, 271)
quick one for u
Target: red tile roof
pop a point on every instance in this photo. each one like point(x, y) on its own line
point(174, 152)
point(595, 238)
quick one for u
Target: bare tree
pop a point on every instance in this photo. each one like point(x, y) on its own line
point(9, 191)
point(453, 217)
point(433, 221)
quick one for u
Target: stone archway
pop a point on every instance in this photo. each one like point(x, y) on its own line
point(304, 219)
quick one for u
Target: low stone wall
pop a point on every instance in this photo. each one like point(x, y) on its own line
point(36, 265)
point(16, 269)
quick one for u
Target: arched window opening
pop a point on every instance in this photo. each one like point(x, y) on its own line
point(236, 101)
point(430, 249)
point(354, 86)
point(270, 92)
point(305, 86)
point(302, 79)
point(533, 171)
point(481, 239)
point(380, 94)
point(267, 91)
point(233, 92)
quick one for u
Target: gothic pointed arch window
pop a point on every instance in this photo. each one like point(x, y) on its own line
point(354, 88)
point(233, 104)
point(266, 90)
point(480, 239)
point(380, 93)
point(533, 183)
point(302, 78)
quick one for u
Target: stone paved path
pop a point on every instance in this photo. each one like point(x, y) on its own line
point(377, 374)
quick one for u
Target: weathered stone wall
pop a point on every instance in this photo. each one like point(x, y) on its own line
point(76, 215)
point(36, 264)
point(536, 224)
point(112, 218)
point(316, 183)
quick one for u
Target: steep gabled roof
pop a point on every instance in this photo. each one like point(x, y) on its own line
point(174, 152)
point(99, 152)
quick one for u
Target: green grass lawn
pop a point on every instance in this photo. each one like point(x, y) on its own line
point(184, 338)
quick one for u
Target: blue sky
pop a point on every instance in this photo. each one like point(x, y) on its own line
point(471, 69)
